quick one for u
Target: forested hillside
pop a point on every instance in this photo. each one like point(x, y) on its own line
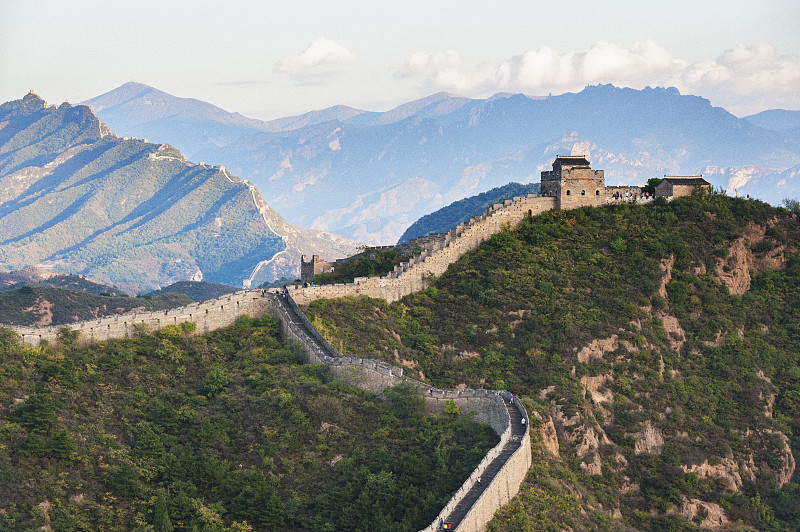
point(658, 345)
point(224, 431)
point(39, 306)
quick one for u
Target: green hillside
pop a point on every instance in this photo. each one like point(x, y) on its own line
point(659, 345)
point(196, 291)
point(31, 276)
point(444, 219)
point(223, 431)
point(40, 305)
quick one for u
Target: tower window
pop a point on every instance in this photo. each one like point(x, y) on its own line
point(596, 192)
point(567, 192)
point(583, 192)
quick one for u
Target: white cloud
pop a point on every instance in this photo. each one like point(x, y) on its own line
point(746, 78)
point(322, 51)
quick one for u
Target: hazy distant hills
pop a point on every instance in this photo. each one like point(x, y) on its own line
point(136, 110)
point(74, 197)
point(777, 120)
point(370, 175)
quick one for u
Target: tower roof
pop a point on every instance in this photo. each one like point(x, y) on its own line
point(685, 180)
point(571, 160)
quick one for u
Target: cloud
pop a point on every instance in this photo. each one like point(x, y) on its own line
point(741, 79)
point(320, 52)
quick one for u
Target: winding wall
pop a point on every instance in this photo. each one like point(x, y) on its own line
point(208, 315)
point(501, 471)
point(503, 468)
point(440, 252)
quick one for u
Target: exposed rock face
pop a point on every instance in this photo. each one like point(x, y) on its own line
point(666, 267)
point(675, 333)
point(713, 515)
point(650, 441)
point(601, 394)
point(788, 464)
point(737, 278)
point(593, 466)
point(726, 471)
point(594, 384)
point(598, 348)
point(547, 431)
point(741, 260)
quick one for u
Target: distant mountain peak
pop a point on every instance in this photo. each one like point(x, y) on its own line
point(32, 97)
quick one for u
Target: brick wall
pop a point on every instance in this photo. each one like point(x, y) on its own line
point(208, 315)
point(439, 252)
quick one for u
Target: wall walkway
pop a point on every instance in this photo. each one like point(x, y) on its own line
point(440, 251)
point(502, 470)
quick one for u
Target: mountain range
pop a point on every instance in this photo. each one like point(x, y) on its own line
point(369, 175)
point(75, 197)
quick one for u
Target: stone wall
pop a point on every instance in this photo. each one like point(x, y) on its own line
point(487, 405)
point(208, 315)
point(440, 251)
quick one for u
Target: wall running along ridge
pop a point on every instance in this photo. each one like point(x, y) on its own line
point(501, 471)
point(503, 468)
point(413, 276)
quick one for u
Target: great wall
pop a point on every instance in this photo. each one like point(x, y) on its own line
point(503, 469)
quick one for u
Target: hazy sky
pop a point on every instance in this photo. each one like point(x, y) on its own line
point(268, 59)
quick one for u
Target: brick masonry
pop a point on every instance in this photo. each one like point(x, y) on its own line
point(368, 374)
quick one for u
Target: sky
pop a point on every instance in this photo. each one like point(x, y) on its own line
point(268, 59)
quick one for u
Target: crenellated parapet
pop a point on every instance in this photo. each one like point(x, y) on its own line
point(208, 315)
point(438, 251)
point(501, 471)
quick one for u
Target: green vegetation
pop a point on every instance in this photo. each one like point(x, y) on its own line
point(369, 263)
point(460, 211)
point(217, 432)
point(44, 305)
point(698, 363)
point(196, 290)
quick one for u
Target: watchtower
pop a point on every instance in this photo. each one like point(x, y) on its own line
point(574, 183)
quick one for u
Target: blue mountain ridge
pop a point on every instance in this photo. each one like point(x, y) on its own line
point(370, 175)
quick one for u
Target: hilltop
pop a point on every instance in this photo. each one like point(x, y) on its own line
point(657, 345)
point(76, 198)
point(42, 305)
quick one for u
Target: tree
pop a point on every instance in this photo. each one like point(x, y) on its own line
point(652, 183)
point(161, 521)
point(61, 446)
point(36, 412)
point(405, 399)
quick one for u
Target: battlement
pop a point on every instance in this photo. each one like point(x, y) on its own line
point(436, 252)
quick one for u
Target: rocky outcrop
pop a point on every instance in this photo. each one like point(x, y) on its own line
point(598, 348)
point(725, 471)
point(786, 458)
point(650, 440)
point(547, 432)
point(735, 270)
point(712, 515)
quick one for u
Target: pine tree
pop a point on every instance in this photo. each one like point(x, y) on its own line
point(161, 522)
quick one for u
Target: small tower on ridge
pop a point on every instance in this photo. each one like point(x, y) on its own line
point(574, 183)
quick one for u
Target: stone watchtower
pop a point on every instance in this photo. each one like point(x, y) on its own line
point(573, 183)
